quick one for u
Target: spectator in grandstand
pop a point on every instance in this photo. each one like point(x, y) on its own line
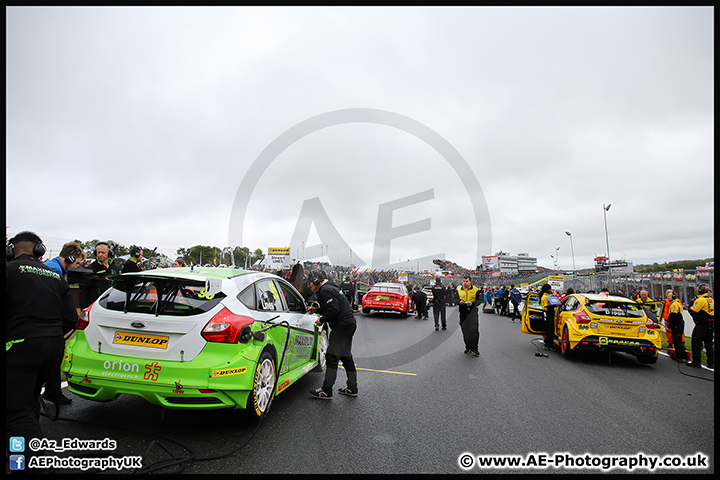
point(179, 262)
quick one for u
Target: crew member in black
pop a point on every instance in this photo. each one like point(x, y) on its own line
point(133, 262)
point(335, 310)
point(92, 287)
point(420, 299)
point(438, 292)
point(348, 288)
point(39, 309)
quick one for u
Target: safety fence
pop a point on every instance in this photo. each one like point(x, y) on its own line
point(682, 283)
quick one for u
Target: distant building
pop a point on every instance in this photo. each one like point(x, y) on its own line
point(507, 264)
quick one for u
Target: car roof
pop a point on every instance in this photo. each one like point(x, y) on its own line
point(387, 284)
point(199, 273)
point(600, 297)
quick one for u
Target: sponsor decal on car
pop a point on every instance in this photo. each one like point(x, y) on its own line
point(619, 342)
point(226, 372)
point(152, 371)
point(141, 339)
point(283, 386)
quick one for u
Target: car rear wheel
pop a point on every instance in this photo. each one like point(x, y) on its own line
point(263, 391)
point(366, 311)
point(323, 343)
point(565, 343)
point(648, 359)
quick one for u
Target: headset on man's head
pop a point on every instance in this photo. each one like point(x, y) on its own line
point(111, 249)
point(38, 250)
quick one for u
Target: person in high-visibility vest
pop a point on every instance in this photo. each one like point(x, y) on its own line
point(703, 313)
point(470, 297)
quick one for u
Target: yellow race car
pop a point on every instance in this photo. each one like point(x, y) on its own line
point(598, 322)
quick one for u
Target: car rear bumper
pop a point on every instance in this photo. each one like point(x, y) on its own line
point(634, 346)
point(210, 381)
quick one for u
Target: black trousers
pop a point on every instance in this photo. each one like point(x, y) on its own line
point(678, 327)
point(702, 335)
point(469, 327)
point(28, 365)
point(515, 311)
point(439, 313)
point(550, 327)
point(340, 350)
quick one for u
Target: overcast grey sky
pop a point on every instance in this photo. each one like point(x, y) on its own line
point(139, 125)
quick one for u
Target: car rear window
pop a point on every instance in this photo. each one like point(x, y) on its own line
point(615, 309)
point(176, 297)
point(387, 289)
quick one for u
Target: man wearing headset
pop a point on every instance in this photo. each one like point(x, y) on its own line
point(133, 263)
point(91, 287)
point(71, 256)
point(39, 309)
point(335, 310)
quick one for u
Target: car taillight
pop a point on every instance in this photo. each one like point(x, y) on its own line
point(581, 317)
point(650, 324)
point(225, 327)
point(84, 319)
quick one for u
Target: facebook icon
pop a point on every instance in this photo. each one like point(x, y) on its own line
point(17, 462)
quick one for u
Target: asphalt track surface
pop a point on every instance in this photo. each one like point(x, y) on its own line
point(422, 405)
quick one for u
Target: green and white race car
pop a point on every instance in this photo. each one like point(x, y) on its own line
point(195, 338)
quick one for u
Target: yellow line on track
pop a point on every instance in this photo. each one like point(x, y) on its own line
point(382, 371)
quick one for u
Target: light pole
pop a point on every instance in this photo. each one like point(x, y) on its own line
point(607, 243)
point(557, 258)
point(572, 250)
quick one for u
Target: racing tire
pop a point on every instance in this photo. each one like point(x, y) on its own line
point(647, 360)
point(263, 392)
point(565, 349)
point(366, 311)
point(323, 343)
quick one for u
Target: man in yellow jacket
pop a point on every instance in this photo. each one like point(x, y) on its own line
point(703, 313)
point(470, 297)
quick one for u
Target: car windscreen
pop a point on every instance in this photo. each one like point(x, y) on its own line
point(160, 296)
point(615, 309)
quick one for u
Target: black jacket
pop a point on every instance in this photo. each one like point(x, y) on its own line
point(92, 288)
point(438, 292)
point(335, 308)
point(38, 302)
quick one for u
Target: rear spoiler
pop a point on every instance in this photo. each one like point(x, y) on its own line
point(211, 286)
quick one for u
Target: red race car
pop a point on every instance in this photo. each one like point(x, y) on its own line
point(388, 297)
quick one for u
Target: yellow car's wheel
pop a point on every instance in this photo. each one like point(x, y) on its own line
point(565, 343)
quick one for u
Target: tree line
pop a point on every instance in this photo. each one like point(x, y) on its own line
point(197, 255)
point(670, 266)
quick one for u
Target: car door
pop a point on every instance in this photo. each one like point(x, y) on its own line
point(301, 343)
point(533, 320)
